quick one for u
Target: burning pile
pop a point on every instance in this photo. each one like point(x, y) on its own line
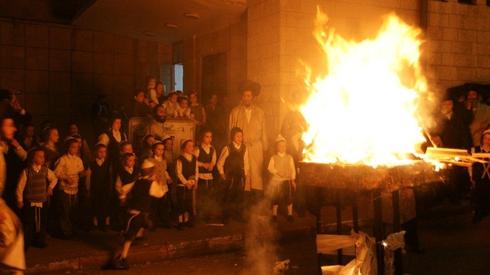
point(367, 108)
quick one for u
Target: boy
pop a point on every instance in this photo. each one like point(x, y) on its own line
point(140, 107)
point(35, 186)
point(99, 185)
point(183, 110)
point(233, 167)
point(126, 176)
point(187, 175)
point(206, 160)
point(68, 169)
point(282, 182)
point(139, 206)
point(161, 206)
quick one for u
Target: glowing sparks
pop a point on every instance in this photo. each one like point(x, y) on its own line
point(365, 109)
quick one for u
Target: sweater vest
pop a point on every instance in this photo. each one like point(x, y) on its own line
point(188, 167)
point(36, 185)
point(281, 164)
point(234, 164)
point(205, 158)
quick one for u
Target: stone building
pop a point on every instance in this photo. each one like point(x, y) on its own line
point(63, 55)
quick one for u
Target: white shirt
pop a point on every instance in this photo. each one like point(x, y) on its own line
point(248, 113)
point(275, 175)
point(69, 166)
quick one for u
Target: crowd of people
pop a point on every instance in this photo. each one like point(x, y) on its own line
point(64, 184)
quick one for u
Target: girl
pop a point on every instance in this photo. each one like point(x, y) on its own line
point(206, 160)
point(283, 175)
point(99, 185)
point(187, 174)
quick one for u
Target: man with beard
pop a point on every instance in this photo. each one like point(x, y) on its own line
point(156, 128)
point(481, 115)
point(251, 119)
point(454, 132)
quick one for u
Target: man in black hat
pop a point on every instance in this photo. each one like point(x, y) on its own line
point(251, 119)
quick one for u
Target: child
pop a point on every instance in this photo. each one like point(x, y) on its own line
point(99, 184)
point(139, 206)
point(197, 111)
point(171, 104)
point(233, 167)
point(146, 151)
point(183, 110)
point(187, 174)
point(49, 143)
point(206, 160)
point(35, 186)
point(126, 176)
point(28, 138)
point(283, 175)
point(161, 206)
point(140, 107)
point(68, 169)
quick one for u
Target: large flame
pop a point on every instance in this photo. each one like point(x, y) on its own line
point(365, 110)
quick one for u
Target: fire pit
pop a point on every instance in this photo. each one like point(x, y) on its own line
point(363, 177)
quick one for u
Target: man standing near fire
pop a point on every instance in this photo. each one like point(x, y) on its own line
point(480, 179)
point(251, 119)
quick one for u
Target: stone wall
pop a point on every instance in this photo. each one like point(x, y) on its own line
point(458, 43)
point(231, 41)
point(61, 69)
point(280, 39)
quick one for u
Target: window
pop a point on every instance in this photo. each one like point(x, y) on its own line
point(178, 77)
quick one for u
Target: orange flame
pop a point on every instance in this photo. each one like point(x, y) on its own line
point(365, 110)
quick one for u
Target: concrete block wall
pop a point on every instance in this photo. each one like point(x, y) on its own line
point(456, 47)
point(458, 43)
point(232, 41)
point(61, 69)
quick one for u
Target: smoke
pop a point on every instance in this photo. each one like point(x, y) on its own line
point(261, 237)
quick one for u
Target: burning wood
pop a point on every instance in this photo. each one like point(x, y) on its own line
point(459, 157)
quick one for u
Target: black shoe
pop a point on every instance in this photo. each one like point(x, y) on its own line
point(119, 264)
point(290, 218)
point(189, 224)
